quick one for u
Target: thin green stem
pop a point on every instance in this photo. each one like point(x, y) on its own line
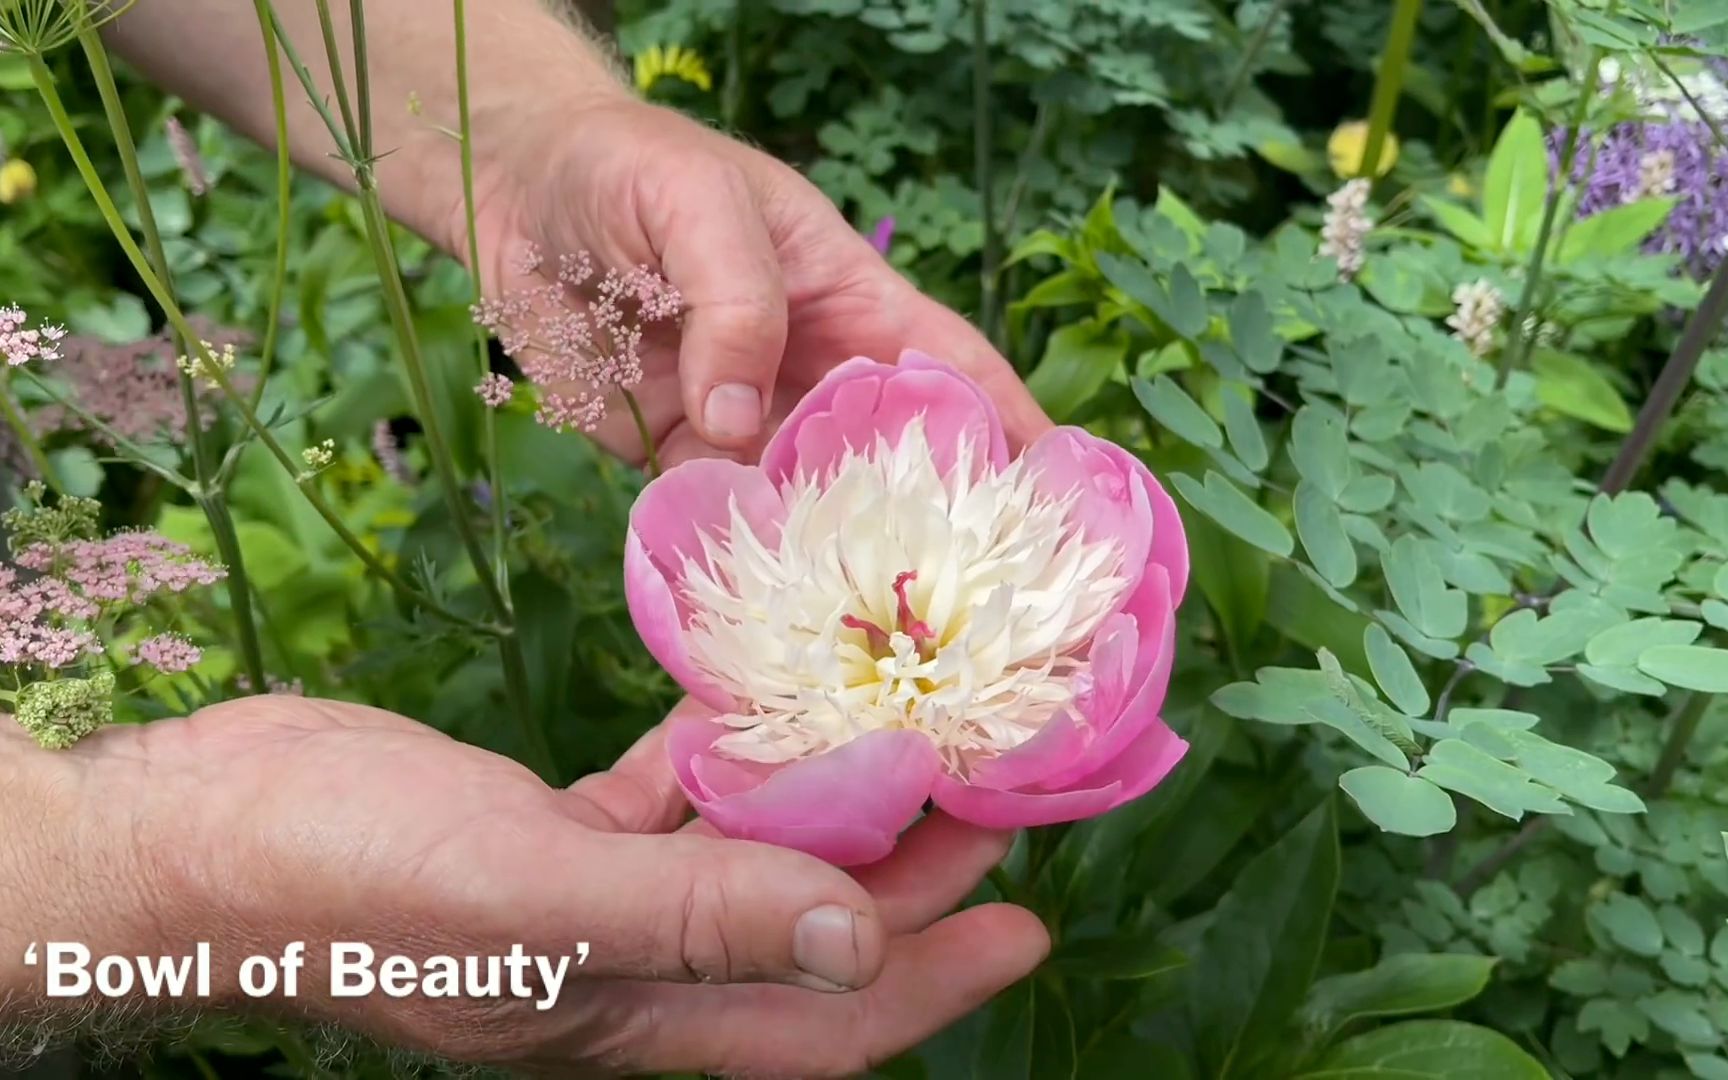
point(1250, 53)
point(648, 449)
point(489, 419)
point(177, 319)
point(982, 148)
point(14, 416)
point(1389, 84)
point(212, 499)
point(327, 25)
point(284, 188)
point(362, 80)
point(1514, 356)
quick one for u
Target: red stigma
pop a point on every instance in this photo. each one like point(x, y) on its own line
point(910, 625)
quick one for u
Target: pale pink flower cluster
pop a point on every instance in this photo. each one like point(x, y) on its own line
point(496, 390)
point(20, 343)
point(40, 622)
point(133, 388)
point(126, 568)
point(170, 654)
point(577, 335)
point(279, 687)
point(186, 156)
point(1346, 227)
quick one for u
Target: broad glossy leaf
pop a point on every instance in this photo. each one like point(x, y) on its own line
point(1030, 1035)
point(1078, 359)
point(1571, 385)
point(1437, 1049)
point(1258, 954)
point(1516, 184)
point(1399, 985)
point(1463, 224)
point(1617, 230)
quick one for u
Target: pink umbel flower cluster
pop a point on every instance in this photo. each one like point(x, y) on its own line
point(186, 156)
point(64, 582)
point(496, 390)
point(577, 334)
point(133, 388)
point(170, 654)
point(277, 687)
point(21, 343)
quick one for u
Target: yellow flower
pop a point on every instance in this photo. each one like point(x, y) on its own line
point(1347, 146)
point(1459, 186)
point(672, 61)
point(17, 181)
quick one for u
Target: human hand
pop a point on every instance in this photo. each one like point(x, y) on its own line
point(778, 287)
point(275, 819)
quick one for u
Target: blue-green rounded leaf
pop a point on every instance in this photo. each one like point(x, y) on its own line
point(1398, 802)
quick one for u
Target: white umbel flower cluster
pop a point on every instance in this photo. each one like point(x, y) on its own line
point(1479, 307)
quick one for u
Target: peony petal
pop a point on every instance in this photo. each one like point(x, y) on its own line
point(661, 624)
point(847, 806)
point(1169, 539)
point(862, 401)
point(1059, 744)
point(1111, 500)
point(695, 498)
point(1142, 766)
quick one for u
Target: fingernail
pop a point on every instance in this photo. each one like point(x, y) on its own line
point(733, 411)
point(825, 948)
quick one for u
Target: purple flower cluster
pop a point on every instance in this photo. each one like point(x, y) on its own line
point(1678, 157)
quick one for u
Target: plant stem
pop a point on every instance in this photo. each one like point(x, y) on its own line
point(1518, 352)
point(1245, 66)
point(284, 187)
point(1680, 732)
point(489, 419)
point(1676, 373)
point(15, 420)
point(649, 452)
point(1389, 84)
point(211, 498)
point(981, 148)
point(177, 319)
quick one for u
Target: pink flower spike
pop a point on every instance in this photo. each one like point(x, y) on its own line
point(891, 608)
point(882, 236)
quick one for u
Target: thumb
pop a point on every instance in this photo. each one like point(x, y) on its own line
point(691, 908)
point(717, 251)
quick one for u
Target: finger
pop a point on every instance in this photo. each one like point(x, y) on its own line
point(931, 980)
point(942, 333)
point(935, 866)
point(639, 794)
point(688, 908)
point(716, 249)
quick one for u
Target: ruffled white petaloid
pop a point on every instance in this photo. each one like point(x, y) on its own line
point(896, 597)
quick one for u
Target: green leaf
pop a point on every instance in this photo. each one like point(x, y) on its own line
point(1629, 921)
point(1707, 1067)
point(1581, 777)
point(77, 469)
point(1399, 985)
point(1420, 591)
point(1458, 766)
point(1259, 951)
point(1465, 227)
point(1119, 958)
point(1186, 317)
point(1225, 503)
point(1321, 528)
point(1257, 345)
point(1171, 406)
point(1681, 1015)
point(1399, 803)
point(1078, 359)
point(1029, 1034)
point(1394, 672)
point(1691, 667)
point(1616, 231)
point(1321, 450)
point(1438, 1049)
point(1620, 646)
point(1243, 428)
point(1573, 386)
point(1516, 185)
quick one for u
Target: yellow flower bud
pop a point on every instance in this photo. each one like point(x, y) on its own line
point(1349, 143)
point(17, 181)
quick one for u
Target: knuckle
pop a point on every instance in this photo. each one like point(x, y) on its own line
point(704, 948)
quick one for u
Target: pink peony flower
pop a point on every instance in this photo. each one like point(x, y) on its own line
point(890, 609)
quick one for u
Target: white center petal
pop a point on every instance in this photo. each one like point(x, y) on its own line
point(897, 597)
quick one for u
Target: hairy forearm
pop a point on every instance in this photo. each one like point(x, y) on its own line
point(522, 57)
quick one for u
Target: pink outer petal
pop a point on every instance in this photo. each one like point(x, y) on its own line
point(661, 625)
point(1146, 762)
point(1061, 742)
point(695, 498)
point(847, 806)
point(862, 400)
